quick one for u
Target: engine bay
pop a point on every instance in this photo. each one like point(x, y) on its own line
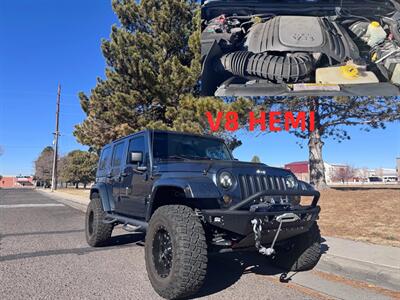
point(335, 53)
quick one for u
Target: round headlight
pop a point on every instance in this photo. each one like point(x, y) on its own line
point(226, 180)
point(291, 182)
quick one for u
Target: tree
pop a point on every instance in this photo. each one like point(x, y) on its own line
point(332, 117)
point(43, 166)
point(79, 167)
point(152, 59)
point(255, 159)
point(344, 174)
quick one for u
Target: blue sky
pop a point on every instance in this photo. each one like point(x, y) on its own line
point(46, 42)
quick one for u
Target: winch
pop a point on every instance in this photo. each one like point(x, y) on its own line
point(257, 229)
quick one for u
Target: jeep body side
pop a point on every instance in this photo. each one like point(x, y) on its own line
point(158, 181)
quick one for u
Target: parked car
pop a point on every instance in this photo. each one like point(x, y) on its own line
point(191, 197)
point(318, 47)
point(390, 179)
point(375, 179)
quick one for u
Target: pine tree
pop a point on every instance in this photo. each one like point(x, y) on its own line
point(153, 59)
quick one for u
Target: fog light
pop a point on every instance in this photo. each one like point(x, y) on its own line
point(295, 200)
point(227, 199)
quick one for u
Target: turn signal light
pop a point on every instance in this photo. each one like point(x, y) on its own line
point(227, 199)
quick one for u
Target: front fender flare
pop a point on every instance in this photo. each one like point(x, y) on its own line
point(193, 187)
point(105, 193)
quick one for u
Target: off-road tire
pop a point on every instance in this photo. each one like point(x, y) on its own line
point(189, 252)
point(301, 253)
point(97, 232)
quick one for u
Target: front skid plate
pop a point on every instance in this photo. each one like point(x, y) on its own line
point(239, 222)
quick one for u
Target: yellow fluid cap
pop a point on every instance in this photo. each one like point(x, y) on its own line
point(256, 20)
point(375, 24)
point(374, 57)
point(349, 71)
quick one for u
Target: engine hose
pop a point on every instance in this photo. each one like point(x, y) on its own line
point(289, 68)
point(394, 28)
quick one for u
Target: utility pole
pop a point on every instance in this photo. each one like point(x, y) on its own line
point(56, 135)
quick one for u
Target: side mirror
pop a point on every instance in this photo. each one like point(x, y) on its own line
point(136, 157)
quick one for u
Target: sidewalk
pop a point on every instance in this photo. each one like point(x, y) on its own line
point(373, 264)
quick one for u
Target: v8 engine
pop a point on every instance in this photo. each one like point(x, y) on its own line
point(336, 49)
point(287, 48)
point(302, 34)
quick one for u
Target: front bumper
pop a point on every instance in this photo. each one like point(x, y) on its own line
point(237, 221)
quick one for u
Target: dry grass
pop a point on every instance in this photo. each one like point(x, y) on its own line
point(76, 192)
point(362, 214)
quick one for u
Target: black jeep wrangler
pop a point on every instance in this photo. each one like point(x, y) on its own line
point(191, 197)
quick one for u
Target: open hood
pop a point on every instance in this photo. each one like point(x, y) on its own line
point(303, 47)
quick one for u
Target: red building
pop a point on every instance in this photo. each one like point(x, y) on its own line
point(16, 181)
point(300, 169)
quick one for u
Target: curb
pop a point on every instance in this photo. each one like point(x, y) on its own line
point(378, 275)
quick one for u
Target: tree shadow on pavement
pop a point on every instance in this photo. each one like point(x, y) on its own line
point(119, 240)
point(42, 233)
point(226, 269)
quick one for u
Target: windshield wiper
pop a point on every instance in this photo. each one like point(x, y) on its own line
point(172, 157)
point(197, 157)
point(185, 157)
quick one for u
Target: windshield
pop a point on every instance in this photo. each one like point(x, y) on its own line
point(181, 146)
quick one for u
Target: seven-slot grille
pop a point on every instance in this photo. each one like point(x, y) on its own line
point(253, 184)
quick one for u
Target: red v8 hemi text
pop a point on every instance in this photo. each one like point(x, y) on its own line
point(274, 121)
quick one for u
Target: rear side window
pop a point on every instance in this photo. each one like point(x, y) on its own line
point(105, 158)
point(117, 155)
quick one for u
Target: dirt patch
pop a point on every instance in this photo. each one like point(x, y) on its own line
point(370, 215)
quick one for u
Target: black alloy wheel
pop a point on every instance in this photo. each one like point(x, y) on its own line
point(162, 252)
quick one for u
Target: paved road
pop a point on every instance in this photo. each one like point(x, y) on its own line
point(44, 255)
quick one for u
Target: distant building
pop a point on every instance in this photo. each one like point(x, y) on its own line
point(334, 172)
point(301, 169)
point(16, 181)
